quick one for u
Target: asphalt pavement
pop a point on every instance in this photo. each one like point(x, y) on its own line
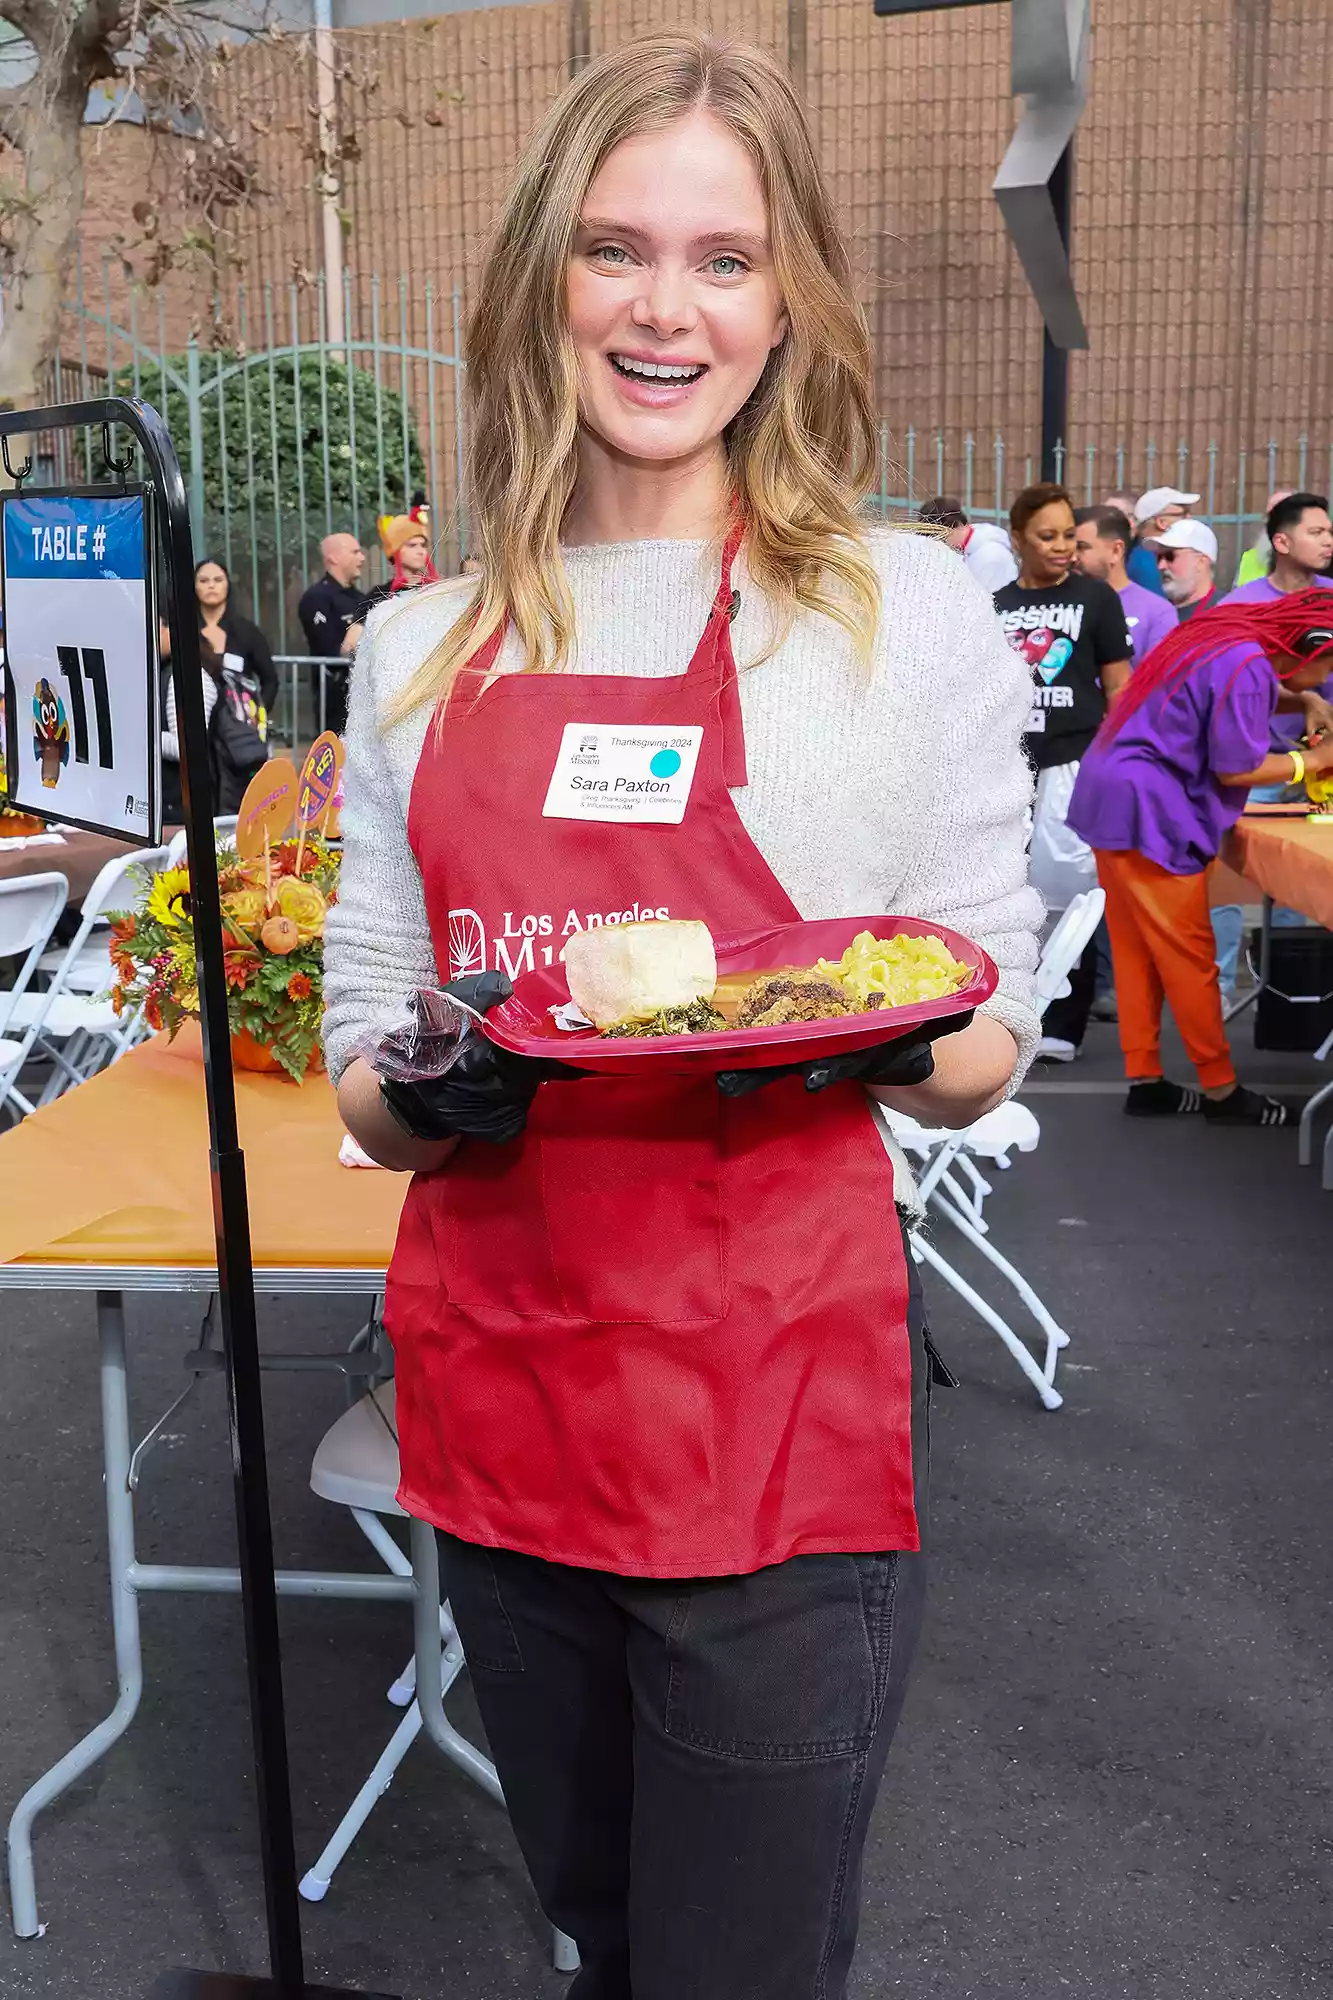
point(1114, 1774)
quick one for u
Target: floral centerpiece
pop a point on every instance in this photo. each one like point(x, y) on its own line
point(273, 911)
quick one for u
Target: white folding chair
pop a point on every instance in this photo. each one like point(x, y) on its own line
point(1061, 952)
point(30, 909)
point(224, 828)
point(79, 1032)
point(1009, 1128)
point(951, 1185)
point(356, 1466)
point(1066, 944)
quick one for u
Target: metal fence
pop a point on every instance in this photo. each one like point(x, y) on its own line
point(287, 434)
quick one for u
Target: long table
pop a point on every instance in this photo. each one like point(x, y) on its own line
point(107, 1191)
point(79, 857)
point(1289, 860)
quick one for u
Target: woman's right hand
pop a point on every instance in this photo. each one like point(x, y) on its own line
point(367, 1118)
point(1319, 758)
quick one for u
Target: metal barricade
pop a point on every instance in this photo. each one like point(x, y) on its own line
point(303, 706)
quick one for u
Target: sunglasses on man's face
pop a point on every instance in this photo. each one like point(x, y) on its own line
point(1168, 555)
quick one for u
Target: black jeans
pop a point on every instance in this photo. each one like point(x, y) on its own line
point(690, 1767)
point(1067, 1020)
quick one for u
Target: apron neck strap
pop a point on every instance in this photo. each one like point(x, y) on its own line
point(716, 657)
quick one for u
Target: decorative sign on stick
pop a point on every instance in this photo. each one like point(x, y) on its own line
point(81, 668)
point(267, 808)
point(319, 778)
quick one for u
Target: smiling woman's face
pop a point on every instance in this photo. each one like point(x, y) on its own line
point(672, 271)
point(1046, 545)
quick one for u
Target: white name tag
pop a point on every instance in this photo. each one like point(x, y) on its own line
point(635, 777)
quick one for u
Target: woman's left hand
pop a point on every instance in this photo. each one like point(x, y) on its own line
point(971, 1075)
point(906, 1062)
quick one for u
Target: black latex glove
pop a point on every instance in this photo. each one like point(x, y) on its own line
point(902, 1063)
point(486, 1094)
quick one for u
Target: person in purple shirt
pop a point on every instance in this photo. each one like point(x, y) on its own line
point(1103, 539)
point(1166, 777)
point(1300, 534)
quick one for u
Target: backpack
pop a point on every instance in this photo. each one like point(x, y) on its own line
point(236, 734)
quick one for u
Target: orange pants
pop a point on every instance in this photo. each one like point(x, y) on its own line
point(1162, 948)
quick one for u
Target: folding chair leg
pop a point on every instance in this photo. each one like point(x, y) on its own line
point(315, 1882)
point(1056, 1337)
point(925, 1251)
point(1305, 1137)
point(430, 1663)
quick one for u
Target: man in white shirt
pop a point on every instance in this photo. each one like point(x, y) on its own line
point(986, 549)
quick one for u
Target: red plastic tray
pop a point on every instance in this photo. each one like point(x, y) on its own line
point(523, 1024)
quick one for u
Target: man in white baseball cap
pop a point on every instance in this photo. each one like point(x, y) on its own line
point(1154, 511)
point(1186, 555)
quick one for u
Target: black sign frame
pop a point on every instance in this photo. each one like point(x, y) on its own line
point(231, 1214)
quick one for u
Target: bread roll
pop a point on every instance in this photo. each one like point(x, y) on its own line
point(628, 972)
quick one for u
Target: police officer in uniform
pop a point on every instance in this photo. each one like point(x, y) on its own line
point(332, 613)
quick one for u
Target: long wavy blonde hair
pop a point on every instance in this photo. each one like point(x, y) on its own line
point(802, 450)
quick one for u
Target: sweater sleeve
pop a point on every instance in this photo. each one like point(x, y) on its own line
point(377, 941)
point(170, 740)
point(970, 872)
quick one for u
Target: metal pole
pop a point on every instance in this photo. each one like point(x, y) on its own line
point(330, 189)
point(1055, 360)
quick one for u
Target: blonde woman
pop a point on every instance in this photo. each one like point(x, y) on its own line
point(661, 1361)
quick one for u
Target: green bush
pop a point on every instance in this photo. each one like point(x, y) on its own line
point(269, 479)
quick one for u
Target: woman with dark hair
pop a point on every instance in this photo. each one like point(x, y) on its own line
point(1166, 778)
point(236, 639)
point(1071, 631)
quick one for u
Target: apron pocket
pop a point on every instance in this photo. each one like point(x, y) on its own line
point(633, 1201)
point(609, 1209)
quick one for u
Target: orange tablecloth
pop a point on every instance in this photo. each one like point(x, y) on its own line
point(116, 1173)
point(1288, 859)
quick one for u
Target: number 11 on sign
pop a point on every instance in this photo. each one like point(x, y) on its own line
point(74, 667)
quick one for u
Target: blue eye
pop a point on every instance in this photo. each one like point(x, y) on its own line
point(611, 251)
point(737, 267)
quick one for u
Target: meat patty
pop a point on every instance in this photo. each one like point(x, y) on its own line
point(786, 997)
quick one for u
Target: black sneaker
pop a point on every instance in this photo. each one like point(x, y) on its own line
point(1159, 1098)
point(1244, 1107)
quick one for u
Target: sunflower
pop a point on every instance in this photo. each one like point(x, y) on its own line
point(169, 897)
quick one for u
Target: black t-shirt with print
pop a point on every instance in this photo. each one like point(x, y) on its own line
point(1067, 634)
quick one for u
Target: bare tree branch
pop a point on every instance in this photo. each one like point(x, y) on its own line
point(11, 114)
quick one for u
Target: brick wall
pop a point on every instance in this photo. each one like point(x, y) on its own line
point(1202, 217)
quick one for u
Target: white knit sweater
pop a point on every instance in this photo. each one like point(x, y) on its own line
point(898, 787)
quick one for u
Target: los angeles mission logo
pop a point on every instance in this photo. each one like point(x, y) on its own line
point(529, 940)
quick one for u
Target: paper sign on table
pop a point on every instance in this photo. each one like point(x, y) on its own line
point(270, 798)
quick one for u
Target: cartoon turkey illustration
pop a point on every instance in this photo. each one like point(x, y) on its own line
point(50, 733)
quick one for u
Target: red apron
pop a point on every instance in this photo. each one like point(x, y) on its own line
point(663, 1333)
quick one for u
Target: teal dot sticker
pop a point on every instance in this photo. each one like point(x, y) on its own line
point(665, 764)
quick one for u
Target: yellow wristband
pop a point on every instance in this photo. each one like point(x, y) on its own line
point(1298, 775)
